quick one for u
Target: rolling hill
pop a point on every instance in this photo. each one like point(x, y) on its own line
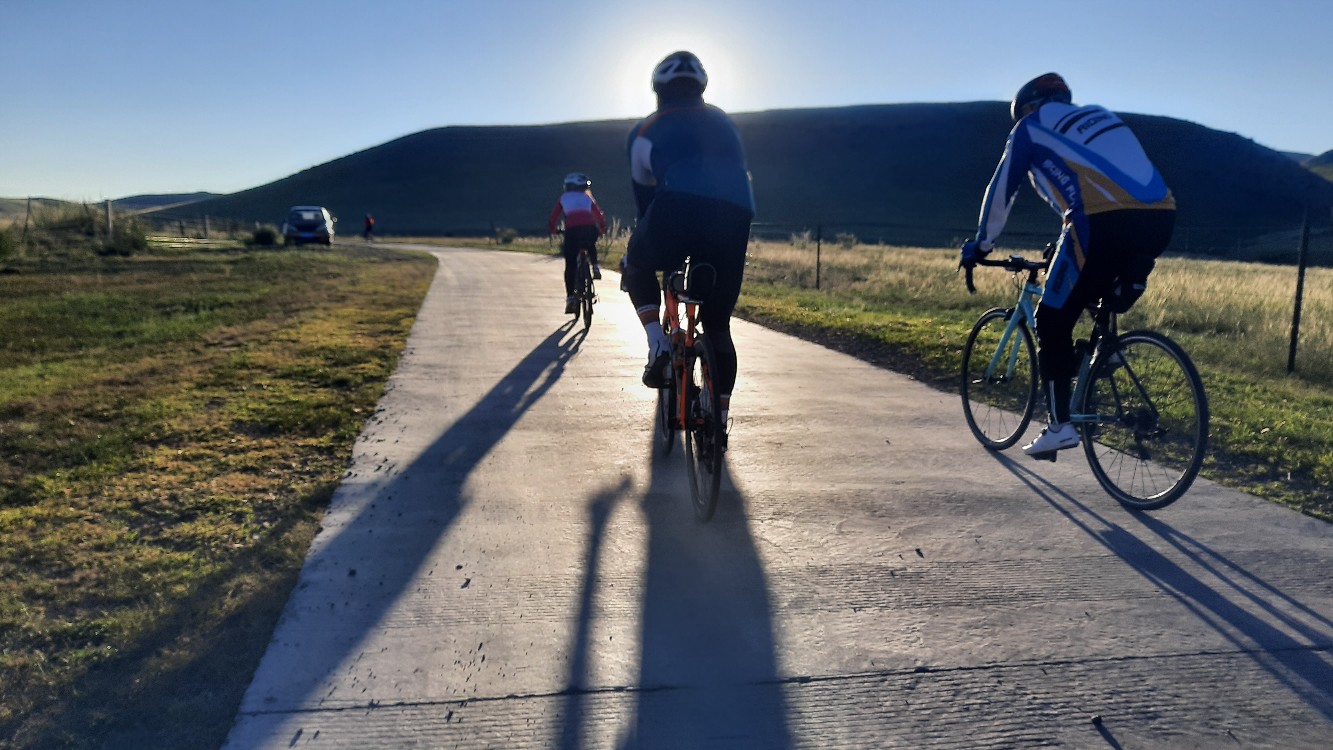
point(902, 172)
point(13, 210)
point(137, 203)
point(1322, 164)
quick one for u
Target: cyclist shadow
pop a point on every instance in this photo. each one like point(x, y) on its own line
point(411, 508)
point(708, 656)
point(578, 692)
point(1280, 644)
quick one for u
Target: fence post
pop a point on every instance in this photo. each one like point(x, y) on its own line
point(205, 226)
point(109, 229)
point(819, 241)
point(1300, 291)
point(26, 215)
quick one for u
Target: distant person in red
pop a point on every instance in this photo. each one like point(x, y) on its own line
point(584, 223)
point(370, 226)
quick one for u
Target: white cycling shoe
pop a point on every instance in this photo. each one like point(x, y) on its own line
point(1056, 437)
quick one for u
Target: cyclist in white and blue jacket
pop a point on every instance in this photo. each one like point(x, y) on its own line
point(694, 198)
point(1118, 217)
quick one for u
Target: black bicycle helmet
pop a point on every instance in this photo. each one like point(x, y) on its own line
point(679, 70)
point(577, 181)
point(1048, 87)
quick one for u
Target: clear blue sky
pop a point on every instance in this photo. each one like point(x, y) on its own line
point(110, 98)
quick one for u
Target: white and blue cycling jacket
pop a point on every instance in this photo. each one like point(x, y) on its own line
point(1083, 161)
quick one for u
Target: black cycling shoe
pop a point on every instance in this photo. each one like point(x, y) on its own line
point(657, 374)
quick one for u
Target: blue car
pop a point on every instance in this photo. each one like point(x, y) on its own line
point(308, 224)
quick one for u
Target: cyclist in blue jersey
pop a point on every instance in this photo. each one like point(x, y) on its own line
point(693, 194)
point(1118, 217)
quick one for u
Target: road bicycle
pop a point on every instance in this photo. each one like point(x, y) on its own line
point(1138, 401)
point(689, 404)
point(585, 293)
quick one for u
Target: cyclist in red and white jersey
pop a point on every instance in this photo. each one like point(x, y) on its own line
point(584, 223)
point(1118, 217)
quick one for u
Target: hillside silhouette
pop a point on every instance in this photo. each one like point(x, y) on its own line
point(1322, 164)
point(911, 173)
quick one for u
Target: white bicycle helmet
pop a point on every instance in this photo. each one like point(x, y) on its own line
point(677, 66)
point(577, 181)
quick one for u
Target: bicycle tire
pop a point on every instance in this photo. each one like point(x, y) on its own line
point(586, 303)
point(667, 403)
point(999, 408)
point(583, 291)
point(1148, 455)
point(666, 419)
point(704, 434)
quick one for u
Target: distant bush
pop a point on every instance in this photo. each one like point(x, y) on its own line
point(801, 240)
point(9, 245)
point(265, 235)
point(505, 235)
point(847, 240)
point(127, 238)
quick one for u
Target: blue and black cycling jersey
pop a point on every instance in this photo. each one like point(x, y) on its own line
point(689, 147)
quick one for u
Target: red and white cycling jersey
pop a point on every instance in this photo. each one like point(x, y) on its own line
point(579, 209)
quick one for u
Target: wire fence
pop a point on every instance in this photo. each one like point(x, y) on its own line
point(1289, 300)
point(833, 256)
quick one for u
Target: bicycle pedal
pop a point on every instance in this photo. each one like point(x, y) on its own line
point(1047, 456)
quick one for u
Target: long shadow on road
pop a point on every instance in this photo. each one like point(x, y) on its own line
point(1295, 653)
point(573, 713)
point(370, 561)
point(708, 675)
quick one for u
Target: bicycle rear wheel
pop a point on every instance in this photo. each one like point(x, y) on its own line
point(585, 302)
point(704, 434)
point(583, 291)
point(1147, 449)
point(999, 405)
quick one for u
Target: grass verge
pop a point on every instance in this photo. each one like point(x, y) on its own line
point(173, 426)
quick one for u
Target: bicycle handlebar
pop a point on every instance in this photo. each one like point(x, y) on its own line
point(1014, 263)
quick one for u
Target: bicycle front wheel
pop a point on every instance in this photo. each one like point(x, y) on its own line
point(1148, 445)
point(705, 435)
point(999, 383)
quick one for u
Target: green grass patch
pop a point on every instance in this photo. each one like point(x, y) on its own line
point(173, 424)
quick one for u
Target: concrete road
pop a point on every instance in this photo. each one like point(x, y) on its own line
point(508, 565)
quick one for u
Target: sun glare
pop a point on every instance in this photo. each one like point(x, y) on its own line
point(633, 93)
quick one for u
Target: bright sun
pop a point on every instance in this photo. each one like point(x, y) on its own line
point(632, 90)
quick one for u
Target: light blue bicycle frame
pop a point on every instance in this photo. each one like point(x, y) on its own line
point(1025, 312)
